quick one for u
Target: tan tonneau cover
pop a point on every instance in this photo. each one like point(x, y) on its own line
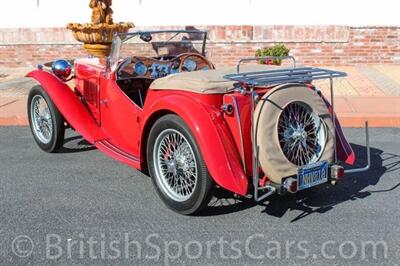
point(208, 81)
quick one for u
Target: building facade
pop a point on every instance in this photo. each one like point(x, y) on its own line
point(341, 33)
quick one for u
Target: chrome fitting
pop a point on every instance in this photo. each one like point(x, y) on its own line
point(256, 97)
point(239, 88)
point(227, 108)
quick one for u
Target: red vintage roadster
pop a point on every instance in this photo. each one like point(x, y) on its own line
point(250, 129)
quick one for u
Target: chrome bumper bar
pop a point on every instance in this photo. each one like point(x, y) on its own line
point(365, 168)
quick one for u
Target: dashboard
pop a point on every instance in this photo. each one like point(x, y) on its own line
point(153, 68)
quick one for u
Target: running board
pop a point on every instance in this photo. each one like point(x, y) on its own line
point(110, 149)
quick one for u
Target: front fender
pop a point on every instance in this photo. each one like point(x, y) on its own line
point(69, 105)
point(213, 138)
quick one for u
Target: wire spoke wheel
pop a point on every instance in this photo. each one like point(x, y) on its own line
point(41, 118)
point(175, 165)
point(301, 133)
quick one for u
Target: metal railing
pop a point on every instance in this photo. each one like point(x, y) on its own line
point(260, 58)
point(284, 75)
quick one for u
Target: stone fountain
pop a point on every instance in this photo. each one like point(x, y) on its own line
point(97, 36)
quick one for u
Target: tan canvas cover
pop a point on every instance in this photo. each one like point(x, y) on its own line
point(266, 116)
point(208, 81)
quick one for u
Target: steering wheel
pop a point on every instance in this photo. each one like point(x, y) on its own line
point(184, 56)
point(121, 67)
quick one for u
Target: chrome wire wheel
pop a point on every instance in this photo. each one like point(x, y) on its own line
point(301, 133)
point(175, 165)
point(41, 119)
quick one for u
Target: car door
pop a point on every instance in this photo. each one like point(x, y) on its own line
point(119, 117)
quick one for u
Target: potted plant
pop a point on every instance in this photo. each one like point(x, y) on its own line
point(276, 50)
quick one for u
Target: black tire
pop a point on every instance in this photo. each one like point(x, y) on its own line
point(203, 188)
point(57, 121)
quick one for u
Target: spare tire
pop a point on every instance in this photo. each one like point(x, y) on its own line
point(293, 127)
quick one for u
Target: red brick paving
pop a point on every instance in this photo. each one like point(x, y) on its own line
point(363, 85)
point(13, 111)
point(379, 111)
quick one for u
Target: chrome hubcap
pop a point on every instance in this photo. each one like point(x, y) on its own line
point(301, 134)
point(41, 119)
point(175, 165)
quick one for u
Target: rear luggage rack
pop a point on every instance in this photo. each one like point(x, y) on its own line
point(250, 80)
point(284, 75)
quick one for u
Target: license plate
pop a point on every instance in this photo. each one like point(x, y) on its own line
point(312, 174)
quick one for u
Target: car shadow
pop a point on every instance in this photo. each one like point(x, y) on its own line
point(75, 144)
point(224, 202)
point(320, 199)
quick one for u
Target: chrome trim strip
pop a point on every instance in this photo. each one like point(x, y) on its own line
point(254, 151)
point(333, 117)
point(107, 144)
point(238, 120)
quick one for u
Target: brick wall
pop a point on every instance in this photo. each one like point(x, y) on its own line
point(314, 45)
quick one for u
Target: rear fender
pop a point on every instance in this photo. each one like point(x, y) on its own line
point(344, 151)
point(69, 105)
point(212, 135)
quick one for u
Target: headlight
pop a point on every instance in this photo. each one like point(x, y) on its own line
point(190, 65)
point(140, 69)
point(62, 69)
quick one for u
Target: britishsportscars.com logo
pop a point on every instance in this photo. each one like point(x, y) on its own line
point(155, 247)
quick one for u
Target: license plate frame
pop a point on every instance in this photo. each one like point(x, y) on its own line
point(311, 175)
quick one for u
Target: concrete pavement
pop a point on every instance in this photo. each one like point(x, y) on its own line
point(82, 198)
point(369, 92)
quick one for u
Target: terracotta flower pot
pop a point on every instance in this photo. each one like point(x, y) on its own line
point(269, 62)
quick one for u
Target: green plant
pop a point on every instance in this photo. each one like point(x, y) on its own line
point(276, 50)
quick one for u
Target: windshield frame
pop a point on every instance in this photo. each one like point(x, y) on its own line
point(120, 38)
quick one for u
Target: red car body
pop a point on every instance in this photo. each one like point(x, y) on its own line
point(98, 109)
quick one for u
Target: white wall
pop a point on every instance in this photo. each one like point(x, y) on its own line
point(56, 13)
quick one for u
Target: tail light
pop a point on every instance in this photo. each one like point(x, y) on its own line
point(290, 184)
point(337, 172)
